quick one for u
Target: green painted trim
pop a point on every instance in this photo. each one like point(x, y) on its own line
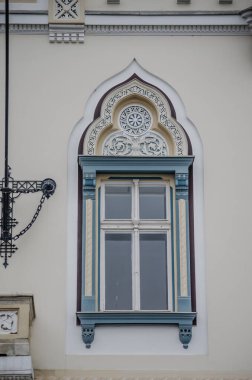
point(178, 165)
point(184, 304)
point(141, 317)
point(89, 321)
point(182, 188)
point(172, 247)
point(94, 249)
point(83, 253)
point(188, 252)
point(89, 187)
point(177, 253)
point(110, 164)
point(88, 303)
point(99, 247)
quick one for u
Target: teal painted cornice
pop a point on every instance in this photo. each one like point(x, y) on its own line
point(136, 317)
point(96, 164)
point(90, 320)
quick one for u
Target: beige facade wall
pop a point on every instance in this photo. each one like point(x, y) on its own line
point(49, 86)
point(166, 5)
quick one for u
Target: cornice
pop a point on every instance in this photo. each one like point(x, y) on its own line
point(231, 23)
point(162, 30)
point(60, 34)
point(246, 14)
point(26, 28)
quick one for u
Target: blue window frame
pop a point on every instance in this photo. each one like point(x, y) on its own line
point(92, 313)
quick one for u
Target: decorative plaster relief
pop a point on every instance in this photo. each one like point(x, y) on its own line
point(138, 119)
point(66, 21)
point(135, 138)
point(88, 256)
point(66, 11)
point(151, 144)
point(66, 33)
point(183, 248)
point(135, 120)
point(8, 322)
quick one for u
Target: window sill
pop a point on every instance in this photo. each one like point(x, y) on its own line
point(89, 320)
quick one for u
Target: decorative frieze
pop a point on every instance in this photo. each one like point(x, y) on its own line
point(19, 28)
point(77, 32)
point(169, 30)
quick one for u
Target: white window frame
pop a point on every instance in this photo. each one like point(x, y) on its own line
point(135, 226)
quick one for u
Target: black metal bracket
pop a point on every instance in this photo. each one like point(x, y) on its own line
point(8, 194)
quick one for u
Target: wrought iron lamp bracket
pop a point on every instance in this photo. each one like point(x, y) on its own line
point(7, 198)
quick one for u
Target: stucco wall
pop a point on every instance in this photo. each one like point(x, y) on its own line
point(49, 86)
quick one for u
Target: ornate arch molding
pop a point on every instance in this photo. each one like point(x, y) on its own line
point(151, 129)
point(82, 130)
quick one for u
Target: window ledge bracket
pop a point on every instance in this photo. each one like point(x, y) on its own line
point(89, 320)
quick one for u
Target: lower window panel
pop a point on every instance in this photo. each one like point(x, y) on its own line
point(153, 272)
point(118, 272)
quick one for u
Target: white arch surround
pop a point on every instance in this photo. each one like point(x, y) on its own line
point(108, 343)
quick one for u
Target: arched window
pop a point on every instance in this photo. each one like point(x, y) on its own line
point(137, 225)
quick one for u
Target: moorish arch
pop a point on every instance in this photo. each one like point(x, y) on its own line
point(134, 115)
point(135, 120)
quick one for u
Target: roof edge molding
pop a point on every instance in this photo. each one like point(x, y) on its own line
point(75, 23)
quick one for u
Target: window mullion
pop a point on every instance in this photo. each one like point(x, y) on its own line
point(135, 211)
point(135, 220)
point(168, 208)
point(136, 272)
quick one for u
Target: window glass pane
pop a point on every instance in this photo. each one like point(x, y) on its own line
point(153, 272)
point(118, 272)
point(117, 202)
point(152, 202)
